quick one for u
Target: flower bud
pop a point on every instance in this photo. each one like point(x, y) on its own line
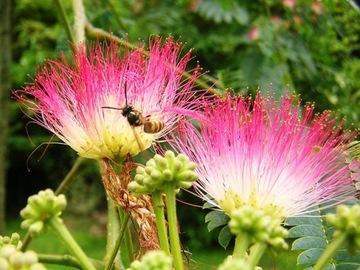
point(234, 263)
point(153, 260)
point(13, 240)
point(257, 225)
point(10, 258)
point(160, 171)
point(40, 209)
point(346, 221)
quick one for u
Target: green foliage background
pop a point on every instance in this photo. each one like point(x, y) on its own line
point(244, 45)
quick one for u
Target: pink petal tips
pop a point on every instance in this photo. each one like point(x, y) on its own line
point(273, 155)
point(73, 100)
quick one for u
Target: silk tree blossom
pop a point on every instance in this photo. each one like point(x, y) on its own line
point(69, 99)
point(272, 155)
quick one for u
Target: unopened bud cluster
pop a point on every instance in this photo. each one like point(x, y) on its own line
point(160, 171)
point(41, 208)
point(13, 259)
point(259, 226)
point(13, 240)
point(234, 263)
point(347, 220)
point(153, 260)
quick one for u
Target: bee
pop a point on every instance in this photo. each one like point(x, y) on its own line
point(136, 119)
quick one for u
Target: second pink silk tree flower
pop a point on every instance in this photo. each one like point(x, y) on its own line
point(272, 155)
point(72, 100)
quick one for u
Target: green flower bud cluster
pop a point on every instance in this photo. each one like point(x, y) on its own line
point(41, 208)
point(259, 226)
point(160, 171)
point(13, 259)
point(153, 260)
point(14, 240)
point(250, 221)
point(347, 221)
point(277, 236)
point(232, 263)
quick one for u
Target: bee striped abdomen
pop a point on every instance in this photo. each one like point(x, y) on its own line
point(153, 126)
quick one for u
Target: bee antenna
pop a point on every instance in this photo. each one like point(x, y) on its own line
point(113, 108)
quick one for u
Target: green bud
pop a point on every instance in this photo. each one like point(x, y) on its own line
point(30, 257)
point(153, 260)
point(258, 226)
point(10, 258)
point(168, 175)
point(188, 176)
point(161, 162)
point(155, 174)
point(170, 156)
point(346, 221)
point(136, 265)
point(13, 240)
point(278, 243)
point(231, 263)
point(35, 228)
point(160, 171)
point(17, 260)
point(185, 185)
point(40, 209)
point(7, 251)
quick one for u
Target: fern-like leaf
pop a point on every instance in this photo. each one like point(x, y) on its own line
point(221, 12)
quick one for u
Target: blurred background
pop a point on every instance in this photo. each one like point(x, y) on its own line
point(306, 46)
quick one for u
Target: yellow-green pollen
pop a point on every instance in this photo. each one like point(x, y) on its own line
point(232, 201)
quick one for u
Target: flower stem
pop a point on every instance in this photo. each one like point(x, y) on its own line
point(118, 242)
point(124, 217)
point(242, 243)
point(64, 20)
point(160, 222)
point(79, 21)
point(330, 251)
point(70, 175)
point(256, 252)
point(67, 260)
point(58, 226)
point(173, 227)
point(113, 228)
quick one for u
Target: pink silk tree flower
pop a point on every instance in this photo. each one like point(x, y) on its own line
point(73, 100)
point(273, 155)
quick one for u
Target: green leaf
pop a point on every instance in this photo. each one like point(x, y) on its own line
point(216, 219)
point(347, 266)
point(208, 205)
point(225, 236)
point(344, 256)
point(309, 256)
point(306, 230)
point(293, 221)
point(219, 13)
point(309, 242)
